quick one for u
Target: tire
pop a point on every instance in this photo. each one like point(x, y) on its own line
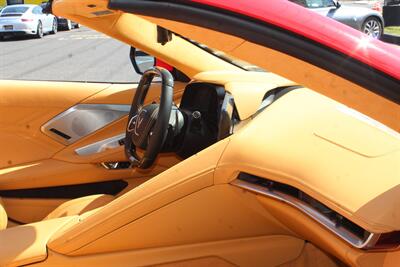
point(1, 37)
point(39, 30)
point(55, 27)
point(69, 25)
point(77, 26)
point(372, 27)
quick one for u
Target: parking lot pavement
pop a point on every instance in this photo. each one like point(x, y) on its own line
point(76, 55)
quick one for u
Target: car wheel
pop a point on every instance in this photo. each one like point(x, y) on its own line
point(55, 27)
point(69, 25)
point(372, 27)
point(77, 26)
point(1, 38)
point(39, 30)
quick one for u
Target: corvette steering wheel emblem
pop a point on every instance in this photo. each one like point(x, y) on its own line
point(132, 123)
point(139, 120)
point(136, 121)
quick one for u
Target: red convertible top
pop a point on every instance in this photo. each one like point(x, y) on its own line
point(292, 17)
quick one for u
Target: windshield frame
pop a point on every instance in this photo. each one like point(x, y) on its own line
point(246, 66)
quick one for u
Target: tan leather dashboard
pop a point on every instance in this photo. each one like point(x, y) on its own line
point(329, 157)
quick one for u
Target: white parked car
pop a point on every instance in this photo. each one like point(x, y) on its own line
point(26, 20)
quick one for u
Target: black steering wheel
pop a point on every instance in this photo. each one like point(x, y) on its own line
point(148, 125)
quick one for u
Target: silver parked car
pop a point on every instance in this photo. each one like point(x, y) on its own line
point(26, 20)
point(364, 19)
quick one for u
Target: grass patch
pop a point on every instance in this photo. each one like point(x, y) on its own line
point(393, 30)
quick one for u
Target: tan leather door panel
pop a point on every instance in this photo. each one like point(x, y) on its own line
point(31, 159)
point(26, 157)
point(25, 107)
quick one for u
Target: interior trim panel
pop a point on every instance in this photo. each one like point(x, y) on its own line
point(82, 120)
point(336, 223)
point(68, 191)
point(102, 145)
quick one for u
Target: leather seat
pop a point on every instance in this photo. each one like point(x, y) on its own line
point(80, 205)
point(76, 206)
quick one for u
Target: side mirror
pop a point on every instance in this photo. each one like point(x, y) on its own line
point(141, 61)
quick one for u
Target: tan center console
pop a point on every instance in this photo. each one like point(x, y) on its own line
point(26, 244)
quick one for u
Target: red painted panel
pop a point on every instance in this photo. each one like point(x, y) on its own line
point(292, 17)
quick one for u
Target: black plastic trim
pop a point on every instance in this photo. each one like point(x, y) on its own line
point(59, 133)
point(340, 225)
point(68, 191)
point(270, 36)
point(277, 93)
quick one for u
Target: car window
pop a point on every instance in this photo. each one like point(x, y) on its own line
point(232, 60)
point(78, 54)
point(392, 2)
point(16, 9)
point(37, 10)
point(300, 2)
point(314, 3)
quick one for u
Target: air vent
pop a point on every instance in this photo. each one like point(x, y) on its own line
point(102, 13)
point(333, 221)
point(59, 133)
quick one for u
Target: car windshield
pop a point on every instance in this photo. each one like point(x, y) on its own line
point(314, 3)
point(234, 61)
point(14, 9)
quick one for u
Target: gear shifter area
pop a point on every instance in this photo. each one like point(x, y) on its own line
point(175, 130)
point(200, 110)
